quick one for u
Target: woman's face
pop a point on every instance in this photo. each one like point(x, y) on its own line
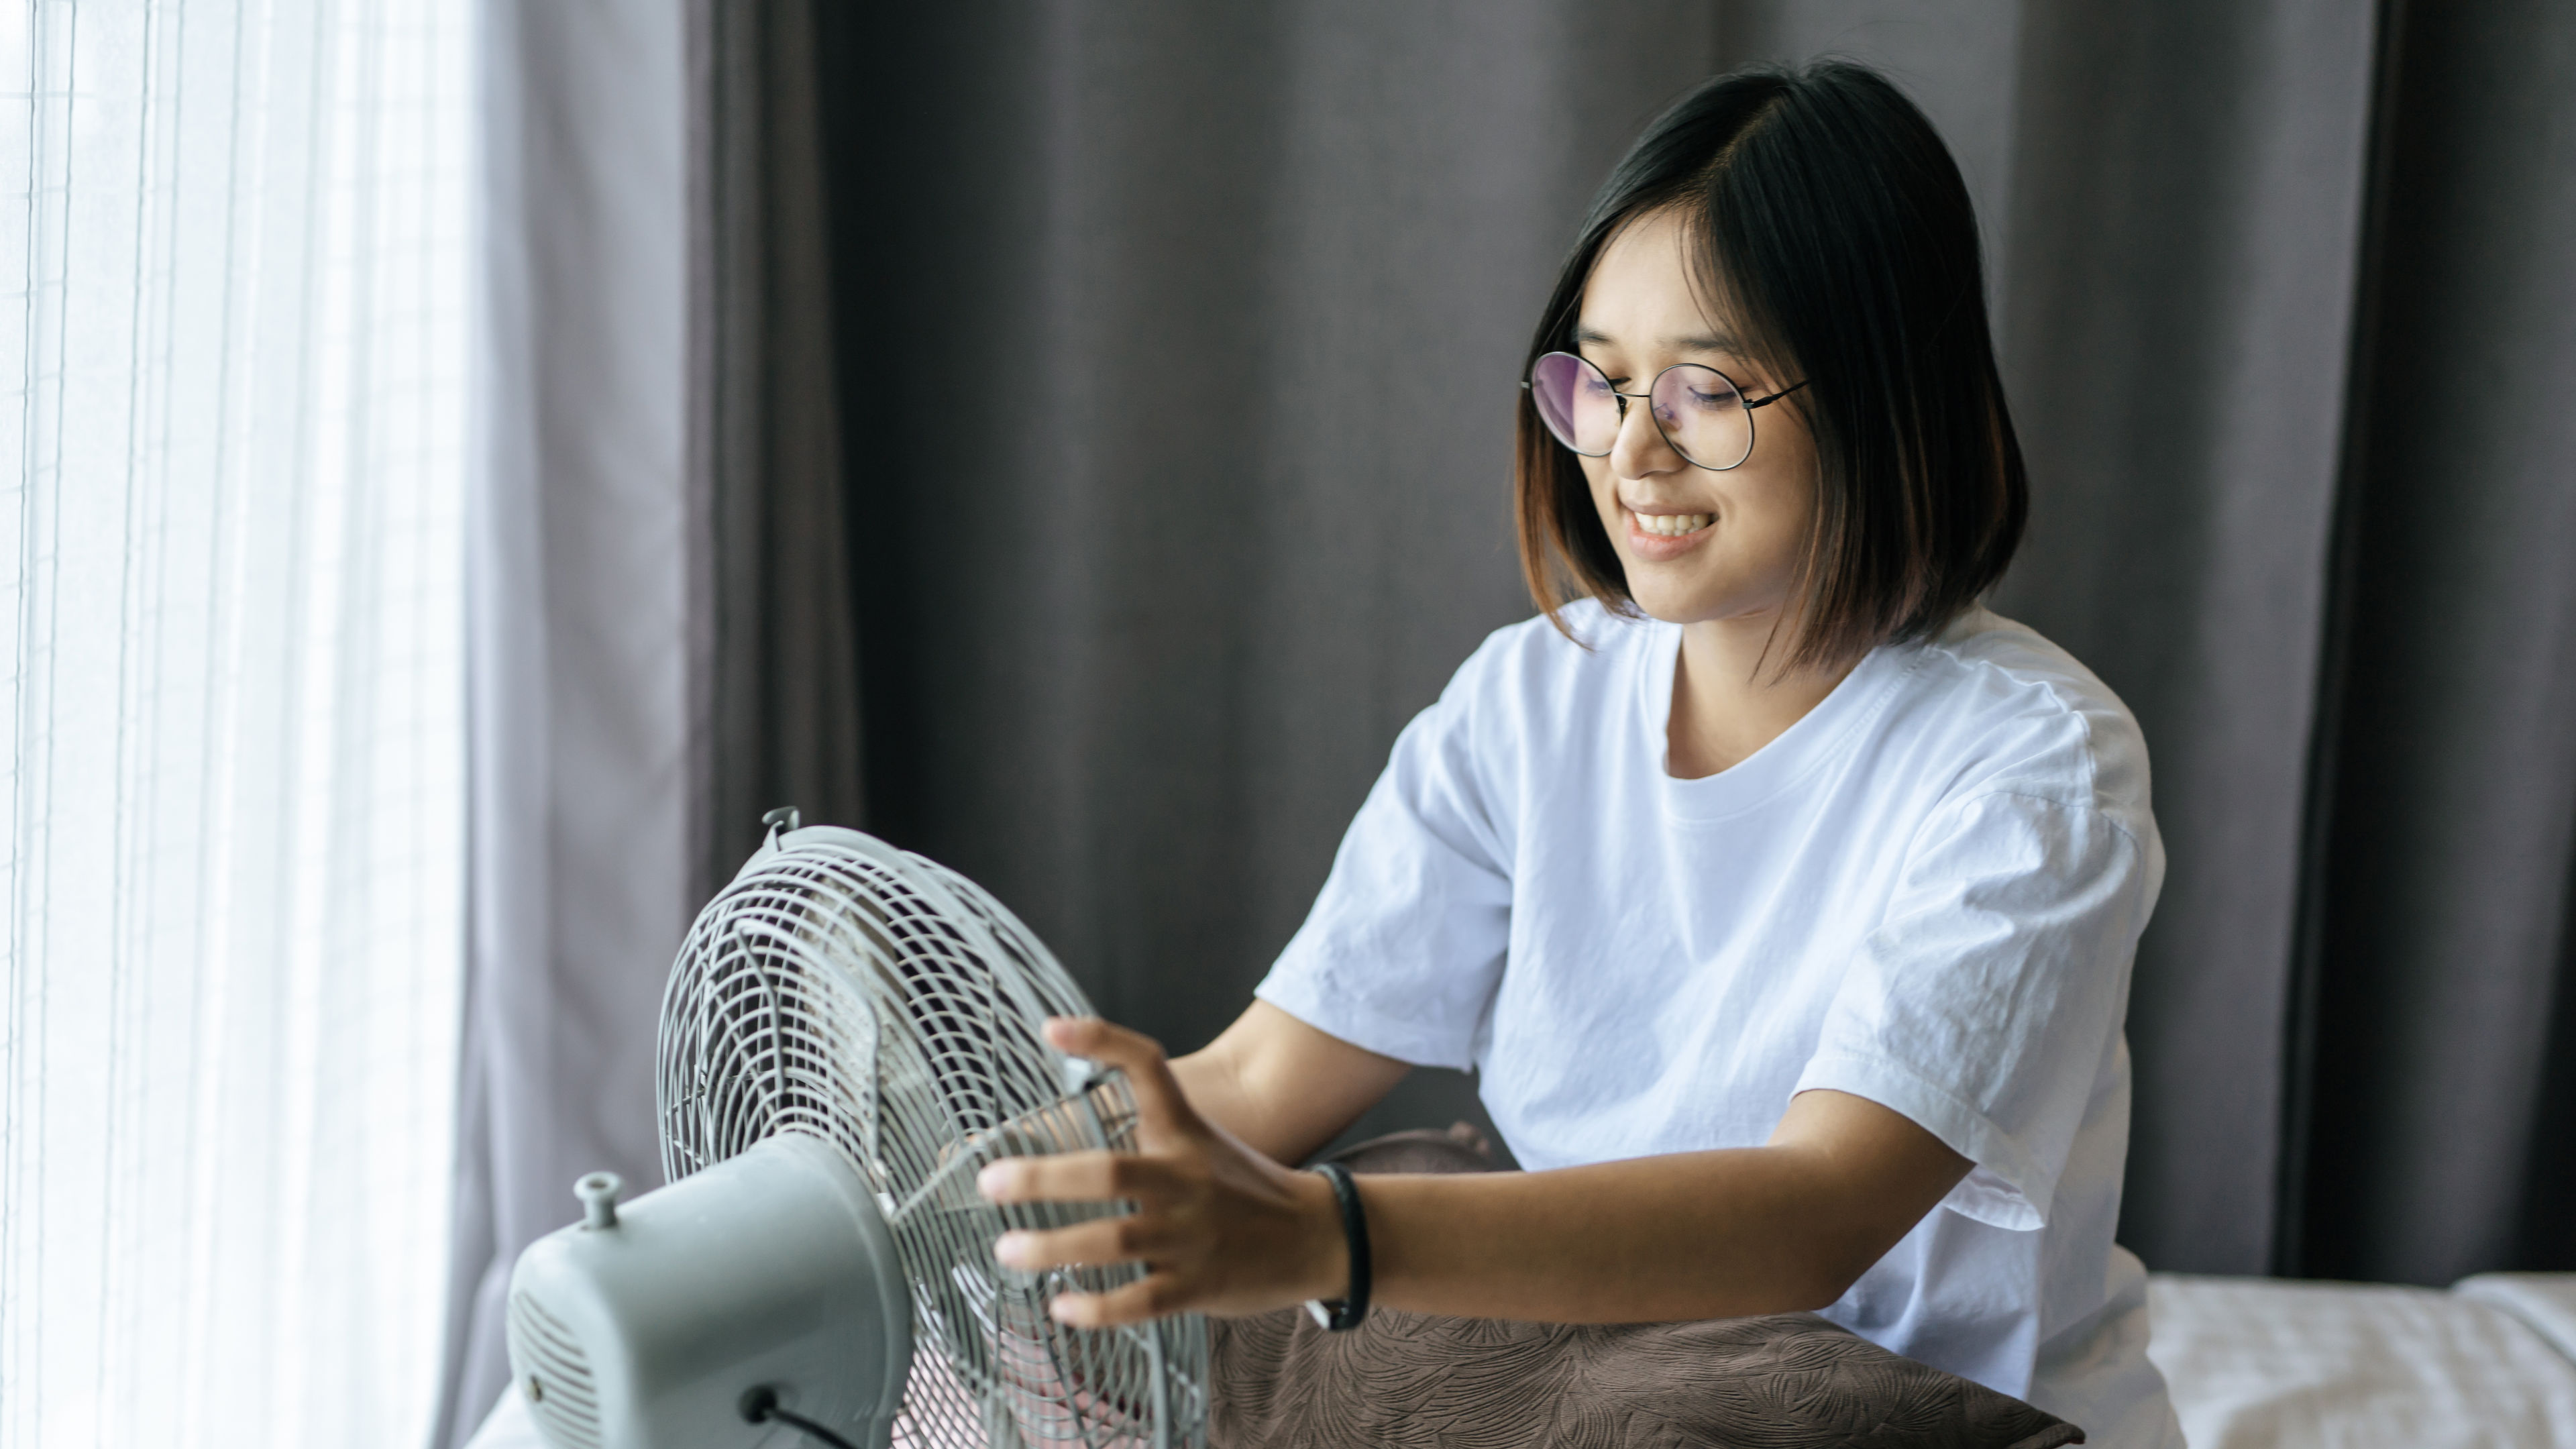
point(1698, 545)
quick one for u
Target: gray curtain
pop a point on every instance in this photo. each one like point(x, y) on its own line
point(1176, 354)
point(1071, 441)
point(664, 640)
point(2438, 1049)
point(583, 742)
point(778, 654)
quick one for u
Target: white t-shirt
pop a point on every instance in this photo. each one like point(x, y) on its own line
point(1927, 893)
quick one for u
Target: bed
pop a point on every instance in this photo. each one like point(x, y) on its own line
point(2489, 1363)
point(2256, 1363)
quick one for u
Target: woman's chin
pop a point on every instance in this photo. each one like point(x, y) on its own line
point(1685, 606)
point(1668, 610)
point(1659, 595)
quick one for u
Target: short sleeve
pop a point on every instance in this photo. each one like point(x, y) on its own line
point(1983, 1005)
point(1404, 948)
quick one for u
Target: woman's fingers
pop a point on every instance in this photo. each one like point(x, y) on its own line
point(1149, 1076)
point(1148, 1297)
point(1100, 1243)
point(1093, 1176)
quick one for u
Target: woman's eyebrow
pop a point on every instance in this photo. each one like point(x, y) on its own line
point(1705, 342)
point(1697, 342)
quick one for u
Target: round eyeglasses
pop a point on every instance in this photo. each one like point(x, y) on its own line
point(1699, 410)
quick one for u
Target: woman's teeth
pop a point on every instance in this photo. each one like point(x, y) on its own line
point(1674, 525)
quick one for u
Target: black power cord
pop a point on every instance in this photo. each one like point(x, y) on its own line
point(760, 1405)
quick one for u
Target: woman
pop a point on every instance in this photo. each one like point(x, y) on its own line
point(1783, 898)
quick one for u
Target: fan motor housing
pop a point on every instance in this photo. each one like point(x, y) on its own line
point(773, 1267)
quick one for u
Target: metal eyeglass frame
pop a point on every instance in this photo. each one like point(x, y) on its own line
point(1749, 403)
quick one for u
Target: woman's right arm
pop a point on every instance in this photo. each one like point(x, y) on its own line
point(1282, 1087)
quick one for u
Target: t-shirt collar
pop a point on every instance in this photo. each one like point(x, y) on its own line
point(1824, 735)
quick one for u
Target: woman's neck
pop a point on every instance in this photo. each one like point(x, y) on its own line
point(1730, 697)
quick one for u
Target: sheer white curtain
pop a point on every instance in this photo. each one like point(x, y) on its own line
point(236, 338)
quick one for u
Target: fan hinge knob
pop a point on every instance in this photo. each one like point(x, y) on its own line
point(598, 1193)
point(783, 819)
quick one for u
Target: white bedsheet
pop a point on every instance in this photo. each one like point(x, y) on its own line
point(2546, 1301)
point(2259, 1364)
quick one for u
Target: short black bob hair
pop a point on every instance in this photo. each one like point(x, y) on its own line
point(1828, 219)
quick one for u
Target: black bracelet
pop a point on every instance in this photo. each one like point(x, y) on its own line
point(1343, 1314)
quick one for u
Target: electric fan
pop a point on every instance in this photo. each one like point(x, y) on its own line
point(850, 1033)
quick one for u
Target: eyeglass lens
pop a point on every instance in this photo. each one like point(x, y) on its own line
point(1701, 413)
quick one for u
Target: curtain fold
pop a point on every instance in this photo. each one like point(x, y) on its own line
point(2440, 1092)
point(777, 661)
point(584, 751)
point(664, 646)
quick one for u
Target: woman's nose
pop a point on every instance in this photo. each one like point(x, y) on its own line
point(1639, 449)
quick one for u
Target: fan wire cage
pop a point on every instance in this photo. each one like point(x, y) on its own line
point(881, 1002)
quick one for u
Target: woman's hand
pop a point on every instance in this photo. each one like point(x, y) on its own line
point(1723, 1233)
point(1221, 1228)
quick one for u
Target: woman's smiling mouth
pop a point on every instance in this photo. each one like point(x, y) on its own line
point(1672, 525)
point(1663, 537)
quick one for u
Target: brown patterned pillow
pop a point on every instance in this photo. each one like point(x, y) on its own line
point(1786, 1381)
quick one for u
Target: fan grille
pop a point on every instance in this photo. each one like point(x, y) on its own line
point(877, 1000)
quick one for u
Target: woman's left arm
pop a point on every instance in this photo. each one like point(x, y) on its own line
point(1785, 1226)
